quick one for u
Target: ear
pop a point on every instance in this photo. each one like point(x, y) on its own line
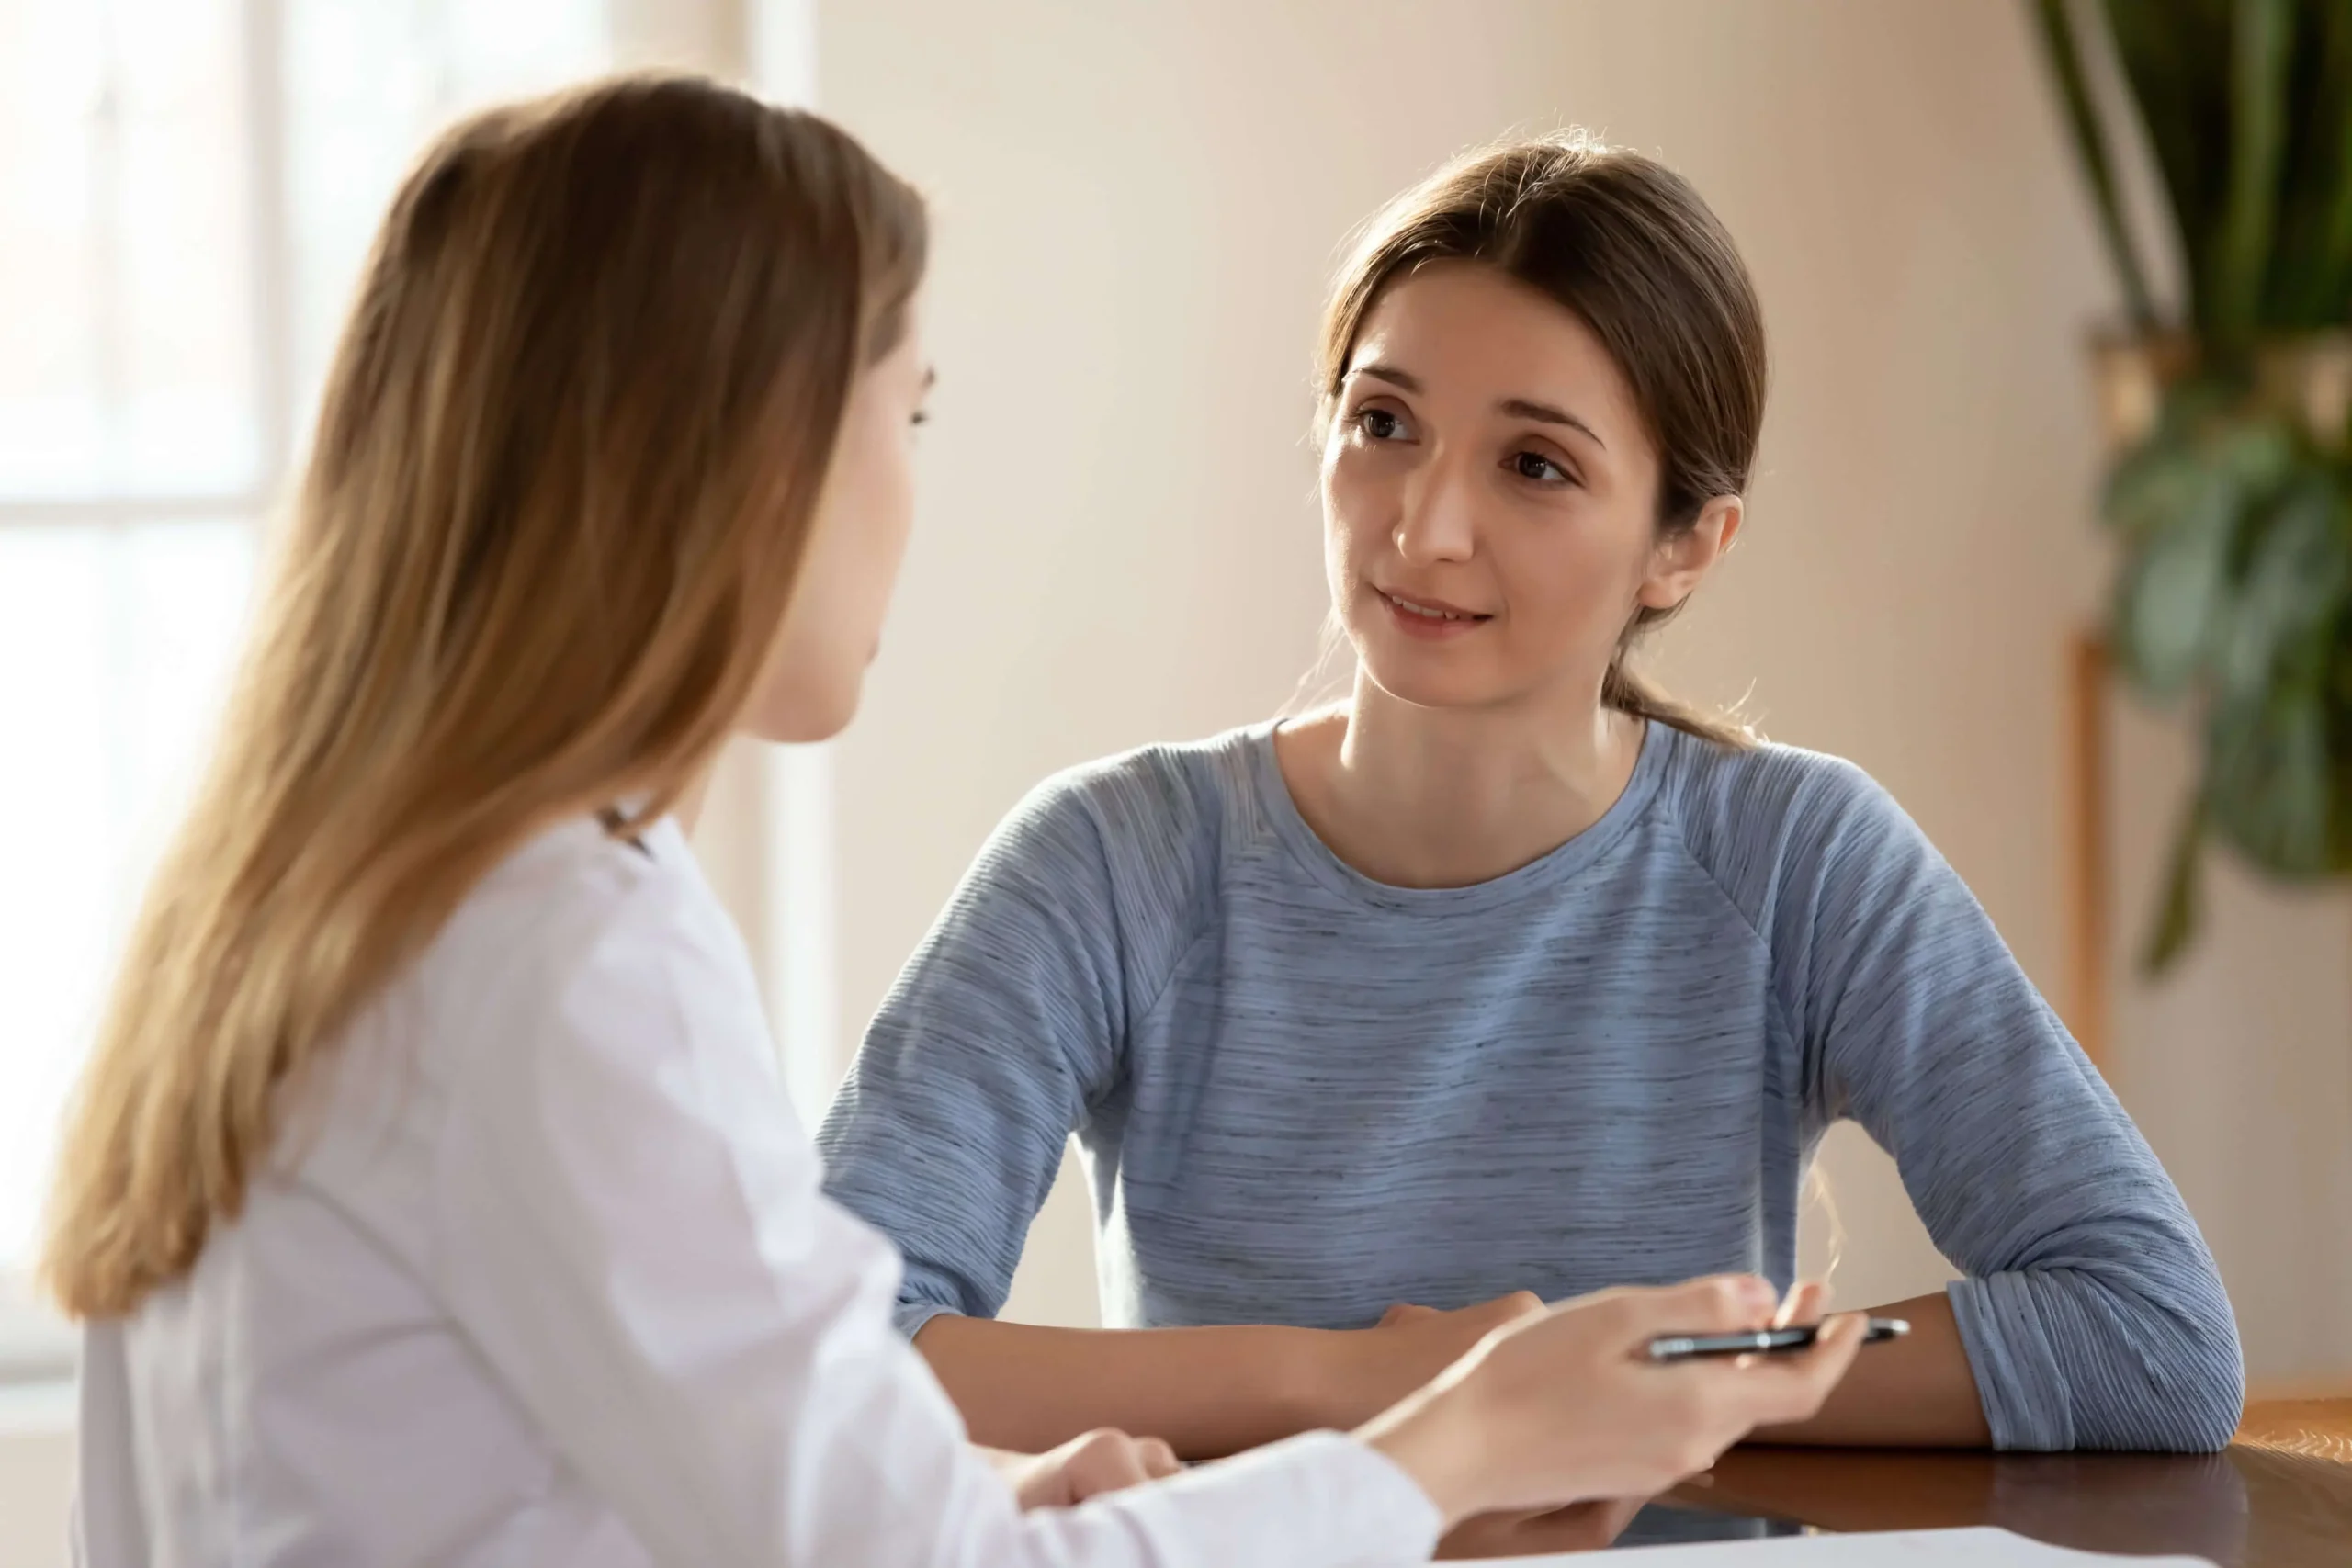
point(1678, 563)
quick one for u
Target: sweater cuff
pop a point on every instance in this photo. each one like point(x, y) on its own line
point(912, 1315)
point(2018, 1374)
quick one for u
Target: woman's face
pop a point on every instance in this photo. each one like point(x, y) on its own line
point(857, 538)
point(1489, 497)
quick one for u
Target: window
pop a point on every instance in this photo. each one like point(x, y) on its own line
point(187, 188)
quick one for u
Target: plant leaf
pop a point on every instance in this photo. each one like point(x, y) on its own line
point(2181, 905)
point(2168, 50)
point(2262, 38)
point(2150, 485)
point(2170, 595)
point(2056, 24)
point(2269, 775)
point(2160, 479)
point(2297, 571)
point(2310, 270)
point(2330, 133)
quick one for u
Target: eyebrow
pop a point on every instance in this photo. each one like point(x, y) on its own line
point(1544, 414)
point(1518, 408)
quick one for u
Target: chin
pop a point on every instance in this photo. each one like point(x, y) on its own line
point(1424, 691)
point(1430, 678)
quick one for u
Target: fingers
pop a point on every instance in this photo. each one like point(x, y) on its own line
point(1803, 1305)
point(1580, 1527)
point(1721, 1304)
point(1507, 1309)
point(1613, 1516)
point(1781, 1389)
point(1502, 1309)
point(1489, 1535)
point(1105, 1462)
point(1111, 1461)
point(1833, 1352)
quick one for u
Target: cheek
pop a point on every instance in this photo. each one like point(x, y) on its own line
point(1571, 582)
point(875, 516)
point(809, 690)
point(794, 703)
point(895, 518)
point(1357, 508)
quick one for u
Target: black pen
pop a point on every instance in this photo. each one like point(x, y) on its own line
point(1761, 1342)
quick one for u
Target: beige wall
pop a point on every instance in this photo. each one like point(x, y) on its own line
point(1136, 210)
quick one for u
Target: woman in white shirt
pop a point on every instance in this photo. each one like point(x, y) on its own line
point(431, 1196)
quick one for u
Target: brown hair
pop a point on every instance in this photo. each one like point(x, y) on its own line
point(561, 482)
point(1625, 242)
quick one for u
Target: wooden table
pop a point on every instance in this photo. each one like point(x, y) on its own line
point(2278, 1497)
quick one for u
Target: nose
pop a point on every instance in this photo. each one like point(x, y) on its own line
point(1437, 522)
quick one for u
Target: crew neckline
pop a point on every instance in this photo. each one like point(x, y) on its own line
point(1541, 875)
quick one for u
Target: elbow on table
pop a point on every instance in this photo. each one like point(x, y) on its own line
point(2197, 1397)
point(2211, 1399)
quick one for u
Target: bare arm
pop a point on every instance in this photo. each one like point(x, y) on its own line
point(1916, 1392)
point(1212, 1392)
point(1207, 1392)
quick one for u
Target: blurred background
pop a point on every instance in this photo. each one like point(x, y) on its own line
point(1138, 207)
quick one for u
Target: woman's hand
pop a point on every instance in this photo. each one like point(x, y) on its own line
point(1580, 1527)
point(1410, 1345)
point(1084, 1467)
point(1563, 1406)
point(1464, 1327)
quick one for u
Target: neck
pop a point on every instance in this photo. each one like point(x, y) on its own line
point(1443, 797)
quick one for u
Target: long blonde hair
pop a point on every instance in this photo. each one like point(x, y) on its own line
point(561, 482)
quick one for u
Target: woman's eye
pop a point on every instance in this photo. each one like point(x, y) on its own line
point(1537, 466)
point(1380, 424)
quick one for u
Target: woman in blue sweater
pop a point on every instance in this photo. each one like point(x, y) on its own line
point(1508, 978)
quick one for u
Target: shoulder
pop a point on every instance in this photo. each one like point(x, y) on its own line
point(1760, 817)
point(1119, 860)
point(1156, 791)
point(567, 891)
point(575, 950)
point(1771, 793)
point(577, 929)
point(1151, 820)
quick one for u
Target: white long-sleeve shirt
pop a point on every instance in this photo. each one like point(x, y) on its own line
point(542, 1274)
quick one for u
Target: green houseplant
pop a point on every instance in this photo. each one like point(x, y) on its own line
point(2229, 488)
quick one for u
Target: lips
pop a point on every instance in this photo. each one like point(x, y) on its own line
point(1427, 608)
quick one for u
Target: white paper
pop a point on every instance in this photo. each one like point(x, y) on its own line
point(1983, 1547)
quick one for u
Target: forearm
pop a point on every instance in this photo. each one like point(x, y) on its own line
point(1206, 1392)
point(1916, 1392)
